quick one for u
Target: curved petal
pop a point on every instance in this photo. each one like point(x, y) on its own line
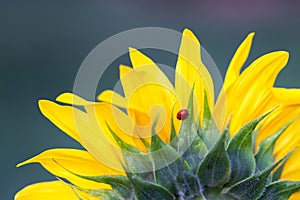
point(84, 128)
point(72, 99)
point(232, 74)
point(291, 168)
point(145, 96)
point(61, 116)
point(124, 70)
point(51, 190)
point(238, 61)
point(103, 114)
point(191, 73)
point(253, 85)
point(61, 162)
point(118, 121)
point(114, 98)
point(140, 62)
point(163, 104)
point(287, 96)
point(276, 120)
point(295, 196)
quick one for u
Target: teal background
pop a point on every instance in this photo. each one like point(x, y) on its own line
point(42, 44)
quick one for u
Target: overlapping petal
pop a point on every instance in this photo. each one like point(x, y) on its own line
point(62, 117)
point(147, 92)
point(84, 127)
point(191, 73)
point(238, 61)
point(51, 190)
point(250, 95)
point(106, 116)
point(65, 162)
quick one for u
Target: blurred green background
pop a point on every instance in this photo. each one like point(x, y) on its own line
point(42, 44)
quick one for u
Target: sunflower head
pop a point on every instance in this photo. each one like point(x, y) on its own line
point(174, 142)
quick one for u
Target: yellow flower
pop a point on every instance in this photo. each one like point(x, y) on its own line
point(245, 96)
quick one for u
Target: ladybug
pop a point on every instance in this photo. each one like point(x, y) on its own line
point(182, 114)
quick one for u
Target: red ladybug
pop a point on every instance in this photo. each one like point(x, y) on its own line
point(182, 114)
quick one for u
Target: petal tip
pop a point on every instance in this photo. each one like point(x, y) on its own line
point(188, 33)
point(251, 35)
point(25, 162)
point(64, 96)
point(131, 49)
point(284, 55)
point(43, 104)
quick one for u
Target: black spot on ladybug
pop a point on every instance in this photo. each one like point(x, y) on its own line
point(182, 114)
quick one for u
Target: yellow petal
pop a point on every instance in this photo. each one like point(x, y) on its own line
point(291, 168)
point(51, 190)
point(295, 196)
point(238, 61)
point(100, 143)
point(253, 85)
point(59, 161)
point(287, 96)
point(114, 98)
point(152, 99)
point(140, 62)
point(96, 136)
point(276, 120)
point(72, 99)
point(140, 86)
point(191, 72)
point(123, 70)
point(104, 113)
point(250, 108)
point(61, 116)
point(118, 121)
point(138, 59)
point(146, 68)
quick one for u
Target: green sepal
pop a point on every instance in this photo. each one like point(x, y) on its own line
point(123, 145)
point(209, 131)
point(216, 194)
point(167, 164)
point(188, 186)
point(162, 154)
point(254, 136)
point(253, 186)
point(214, 169)
point(241, 154)
point(156, 142)
point(167, 176)
point(280, 190)
point(196, 153)
point(188, 143)
point(277, 173)
point(136, 161)
point(148, 190)
point(264, 156)
point(207, 117)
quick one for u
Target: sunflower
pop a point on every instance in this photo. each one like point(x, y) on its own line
point(165, 141)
